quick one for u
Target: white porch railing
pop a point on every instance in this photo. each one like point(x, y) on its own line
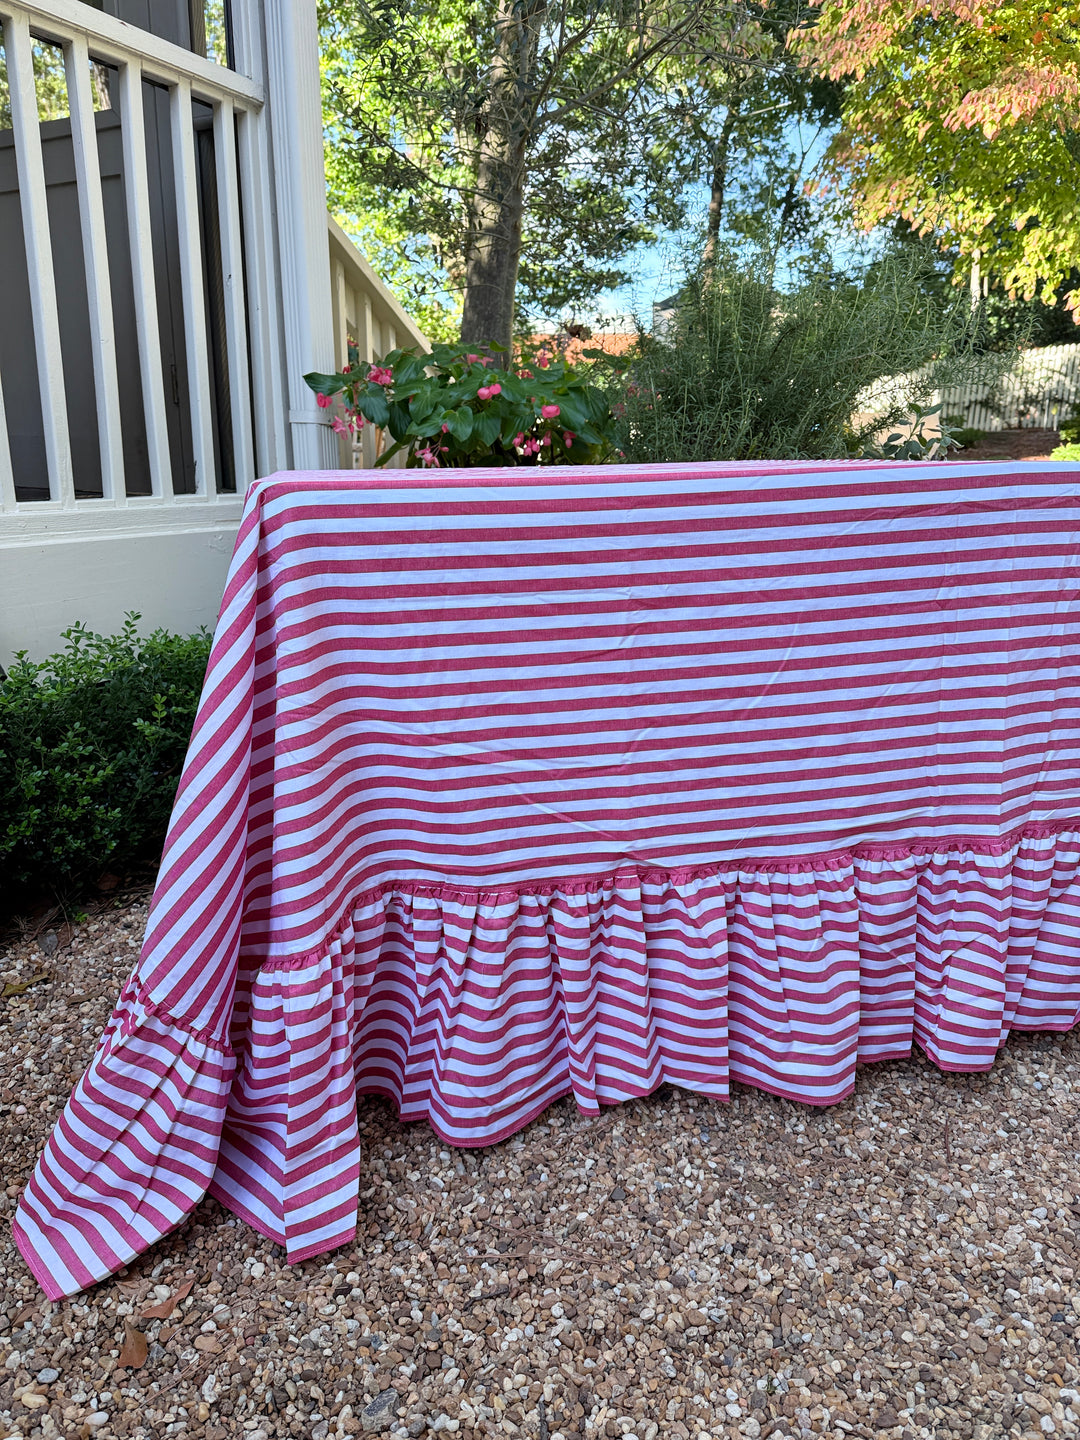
point(236, 102)
point(370, 316)
point(284, 309)
point(267, 291)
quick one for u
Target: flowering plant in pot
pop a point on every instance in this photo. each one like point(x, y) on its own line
point(455, 408)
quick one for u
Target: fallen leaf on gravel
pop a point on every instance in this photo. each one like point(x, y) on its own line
point(133, 1354)
point(165, 1309)
point(207, 1343)
point(129, 1287)
point(20, 987)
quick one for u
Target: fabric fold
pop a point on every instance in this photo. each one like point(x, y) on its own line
point(290, 1153)
point(133, 1152)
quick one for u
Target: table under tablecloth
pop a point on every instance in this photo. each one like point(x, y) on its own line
point(508, 785)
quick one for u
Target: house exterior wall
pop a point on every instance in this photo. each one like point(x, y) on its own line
point(173, 575)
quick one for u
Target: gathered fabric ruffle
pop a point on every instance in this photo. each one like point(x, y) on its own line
point(474, 1010)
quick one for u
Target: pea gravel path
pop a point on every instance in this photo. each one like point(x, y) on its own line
point(900, 1265)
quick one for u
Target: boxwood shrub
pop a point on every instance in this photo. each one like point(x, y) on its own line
point(92, 740)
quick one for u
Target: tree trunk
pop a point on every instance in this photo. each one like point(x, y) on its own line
point(717, 183)
point(497, 207)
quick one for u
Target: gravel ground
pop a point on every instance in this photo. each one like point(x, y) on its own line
point(900, 1265)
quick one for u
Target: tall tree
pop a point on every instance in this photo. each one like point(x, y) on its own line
point(962, 118)
point(519, 145)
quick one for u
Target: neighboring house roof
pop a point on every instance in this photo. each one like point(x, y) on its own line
point(573, 346)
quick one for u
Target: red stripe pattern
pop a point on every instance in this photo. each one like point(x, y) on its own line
point(505, 788)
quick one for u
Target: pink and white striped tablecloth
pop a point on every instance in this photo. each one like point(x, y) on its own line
point(513, 785)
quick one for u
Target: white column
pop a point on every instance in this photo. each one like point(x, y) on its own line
point(30, 168)
point(295, 105)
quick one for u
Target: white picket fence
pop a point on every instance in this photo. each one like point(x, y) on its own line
point(1041, 392)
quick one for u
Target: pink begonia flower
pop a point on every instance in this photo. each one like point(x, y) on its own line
point(346, 369)
point(568, 438)
point(324, 401)
point(547, 439)
point(543, 362)
point(381, 375)
point(549, 412)
point(531, 446)
point(519, 438)
point(525, 375)
point(339, 426)
point(472, 359)
point(446, 429)
point(487, 391)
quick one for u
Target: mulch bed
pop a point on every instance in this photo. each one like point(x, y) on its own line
point(1012, 445)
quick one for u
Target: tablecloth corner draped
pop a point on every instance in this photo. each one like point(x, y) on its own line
point(516, 788)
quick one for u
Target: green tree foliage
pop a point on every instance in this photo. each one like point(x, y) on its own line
point(500, 153)
point(750, 133)
point(962, 117)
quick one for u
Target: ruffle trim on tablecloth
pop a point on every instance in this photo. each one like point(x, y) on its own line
point(475, 1009)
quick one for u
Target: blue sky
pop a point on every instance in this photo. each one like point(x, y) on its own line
point(655, 268)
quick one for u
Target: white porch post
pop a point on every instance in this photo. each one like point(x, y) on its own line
point(299, 179)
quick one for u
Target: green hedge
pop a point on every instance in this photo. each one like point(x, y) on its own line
point(1066, 452)
point(91, 744)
